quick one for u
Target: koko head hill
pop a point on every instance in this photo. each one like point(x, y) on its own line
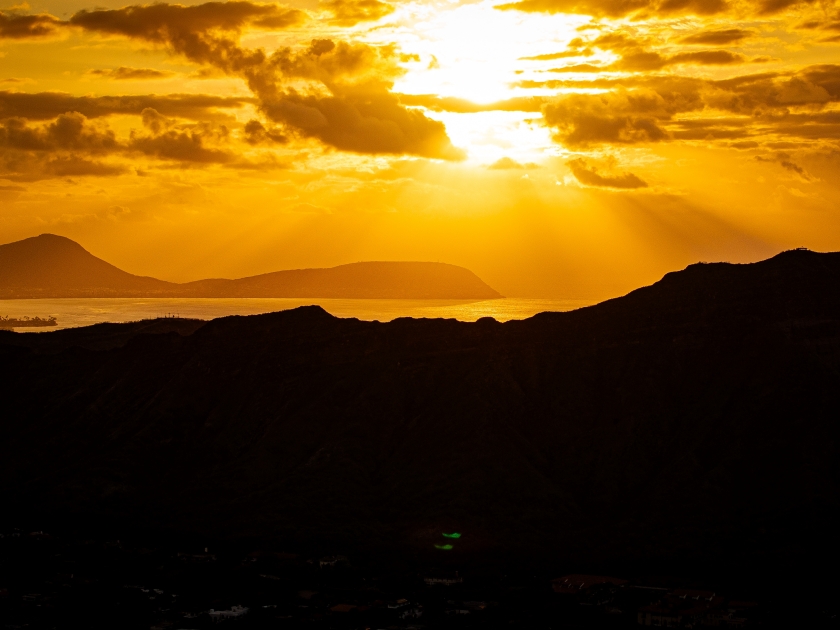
point(693, 421)
point(50, 266)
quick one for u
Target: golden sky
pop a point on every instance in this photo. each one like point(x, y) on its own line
point(558, 148)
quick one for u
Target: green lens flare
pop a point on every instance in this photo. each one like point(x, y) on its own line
point(452, 535)
point(444, 547)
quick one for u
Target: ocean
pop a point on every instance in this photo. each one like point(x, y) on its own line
point(72, 312)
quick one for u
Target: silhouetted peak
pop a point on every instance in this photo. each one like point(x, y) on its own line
point(311, 312)
point(797, 251)
point(300, 313)
point(47, 236)
point(287, 320)
point(50, 241)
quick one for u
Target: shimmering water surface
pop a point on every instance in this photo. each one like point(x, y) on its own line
point(83, 312)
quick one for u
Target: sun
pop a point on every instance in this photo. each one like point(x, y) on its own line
point(474, 52)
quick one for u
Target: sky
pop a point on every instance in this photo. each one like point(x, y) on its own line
point(557, 148)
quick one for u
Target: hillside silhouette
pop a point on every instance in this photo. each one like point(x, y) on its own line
point(50, 266)
point(53, 266)
point(695, 420)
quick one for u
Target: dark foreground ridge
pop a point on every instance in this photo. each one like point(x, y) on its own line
point(50, 266)
point(693, 423)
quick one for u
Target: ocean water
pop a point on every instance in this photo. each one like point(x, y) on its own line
point(72, 312)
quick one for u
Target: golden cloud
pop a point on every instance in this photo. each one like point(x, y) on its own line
point(48, 105)
point(14, 26)
point(718, 37)
point(351, 12)
point(647, 8)
point(132, 74)
point(507, 164)
point(617, 8)
point(69, 131)
point(622, 117)
point(186, 26)
point(359, 113)
point(463, 106)
point(256, 133)
point(588, 175)
point(66, 145)
point(188, 145)
point(646, 108)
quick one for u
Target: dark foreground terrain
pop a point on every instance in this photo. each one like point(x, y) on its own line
point(56, 582)
point(689, 428)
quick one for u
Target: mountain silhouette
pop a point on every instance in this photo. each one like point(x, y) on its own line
point(50, 266)
point(54, 266)
point(695, 420)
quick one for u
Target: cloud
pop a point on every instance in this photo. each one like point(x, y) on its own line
point(15, 26)
point(70, 131)
point(636, 55)
point(182, 146)
point(71, 145)
point(784, 160)
point(506, 163)
point(132, 74)
point(575, 48)
point(66, 147)
point(831, 24)
point(74, 166)
point(646, 60)
point(585, 52)
point(24, 167)
point(374, 123)
point(48, 105)
point(167, 140)
point(706, 58)
point(648, 8)
point(710, 129)
point(463, 106)
point(769, 7)
point(624, 117)
point(618, 8)
point(581, 68)
point(361, 114)
point(155, 121)
point(351, 12)
point(256, 133)
point(203, 33)
point(751, 94)
point(791, 166)
point(589, 176)
point(184, 26)
point(357, 113)
point(647, 108)
point(719, 37)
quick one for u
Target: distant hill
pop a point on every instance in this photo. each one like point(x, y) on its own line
point(49, 266)
point(398, 280)
point(694, 421)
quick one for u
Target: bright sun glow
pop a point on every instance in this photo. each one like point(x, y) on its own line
point(472, 51)
point(491, 136)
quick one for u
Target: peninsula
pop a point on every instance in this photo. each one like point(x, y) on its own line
point(51, 266)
